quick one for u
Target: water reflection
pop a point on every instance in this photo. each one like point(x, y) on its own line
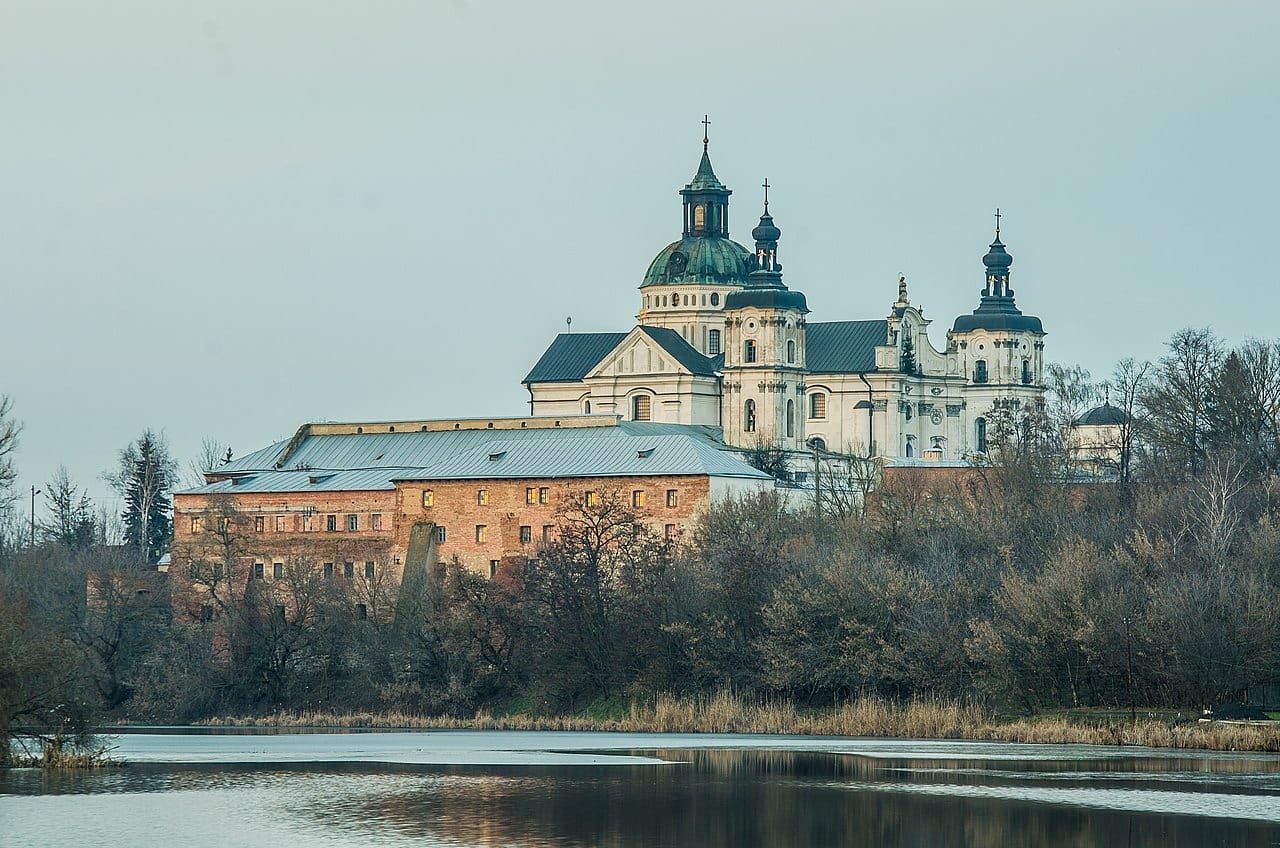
point(704, 798)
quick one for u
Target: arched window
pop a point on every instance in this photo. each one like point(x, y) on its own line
point(910, 450)
point(981, 426)
point(749, 350)
point(791, 351)
point(713, 343)
point(699, 217)
point(586, 406)
point(686, 300)
point(818, 443)
point(749, 416)
point(640, 409)
point(818, 405)
point(1026, 372)
point(791, 418)
point(980, 371)
point(715, 298)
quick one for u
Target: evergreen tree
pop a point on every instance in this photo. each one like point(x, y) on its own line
point(908, 355)
point(144, 480)
point(71, 515)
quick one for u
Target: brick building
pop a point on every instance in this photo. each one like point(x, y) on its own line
point(348, 498)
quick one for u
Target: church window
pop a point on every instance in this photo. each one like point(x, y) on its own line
point(640, 408)
point(482, 533)
point(686, 300)
point(910, 450)
point(980, 371)
point(586, 407)
point(331, 523)
point(749, 416)
point(818, 443)
point(713, 343)
point(526, 534)
point(637, 498)
point(704, 300)
point(482, 497)
point(791, 351)
point(749, 350)
point(715, 298)
point(673, 498)
point(353, 523)
point(699, 217)
point(428, 498)
point(981, 426)
point(791, 418)
point(1026, 372)
point(818, 405)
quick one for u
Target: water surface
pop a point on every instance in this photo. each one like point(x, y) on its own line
point(472, 788)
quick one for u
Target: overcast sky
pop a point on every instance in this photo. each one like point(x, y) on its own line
point(223, 219)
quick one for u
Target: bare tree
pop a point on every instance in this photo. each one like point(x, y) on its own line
point(1127, 386)
point(212, 453)
point(9, 430)
point(1177, 402)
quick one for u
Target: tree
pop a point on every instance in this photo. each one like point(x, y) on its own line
point(770, 457)
point(212, 454)
point(71, 521)
point(1069, 394)
point(1244, 412)
point(144, 480)
point(1127, 387)
point(9, 430)
point(907, 360)
point(1176, 404)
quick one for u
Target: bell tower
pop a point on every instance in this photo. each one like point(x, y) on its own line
point(764, 356)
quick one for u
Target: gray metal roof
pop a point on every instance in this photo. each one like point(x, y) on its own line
point(683, 352)
point(571, 356)
point(371, 461)
point(843, 347)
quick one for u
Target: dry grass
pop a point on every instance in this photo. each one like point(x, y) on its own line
point(726, 713)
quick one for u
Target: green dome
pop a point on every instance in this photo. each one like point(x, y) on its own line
point(700, 259)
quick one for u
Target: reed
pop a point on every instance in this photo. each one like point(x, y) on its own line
point(725, 712)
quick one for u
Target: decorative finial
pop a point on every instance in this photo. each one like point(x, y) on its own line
point(568, 324)
point(765, 184)
point(706, 124)
point(998, 216)
point(902, 288)
point(1107, 393)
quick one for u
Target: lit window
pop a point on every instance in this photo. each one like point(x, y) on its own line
point(428, 498)
point(279, 523)
point(530, 495)
point(375, 521)
point(277, 570)
point(259, 524)
point(673, 498)
point(818, 405)
point(259, 570)
point(637, 498)
point(640, 409)
point(713, 341)
point(441, 536)
point(349, 570)
point(526, 534)
point(197, 524)
point(699, 216)
point(592, 499)
point(331, 523)
point(328, 571)
point(482, 497)
point(544, 494)
point(368, 571)
point(749, 416)
point(482, 533)
point(353, 523)
point(749, 350)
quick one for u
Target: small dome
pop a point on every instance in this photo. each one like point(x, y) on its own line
point(700, 259)
point(1102, 416)
point(997, 259)
point(762, 297)
point(766, 230)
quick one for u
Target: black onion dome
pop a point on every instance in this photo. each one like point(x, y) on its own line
point(766, 230)
point(997, 260)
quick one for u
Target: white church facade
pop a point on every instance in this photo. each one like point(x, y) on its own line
point(722, 342)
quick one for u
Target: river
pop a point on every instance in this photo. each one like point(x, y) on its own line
point(542, 789)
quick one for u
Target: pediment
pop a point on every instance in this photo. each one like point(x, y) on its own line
point(637, 353)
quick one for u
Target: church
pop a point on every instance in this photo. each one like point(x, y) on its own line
point(722, 341)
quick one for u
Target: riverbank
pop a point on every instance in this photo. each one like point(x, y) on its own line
point(872, 717)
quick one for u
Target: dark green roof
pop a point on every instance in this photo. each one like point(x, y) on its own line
point(703, 259)
point(843, 347)
point(683, 352)
point(572, 355)
point(705, 179)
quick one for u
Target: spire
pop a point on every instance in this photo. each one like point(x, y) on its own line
point(706, 199)
point(997, 310)
point(997, 262)
point(767, 270)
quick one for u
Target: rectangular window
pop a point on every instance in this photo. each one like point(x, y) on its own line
point(331, 523)
point(530, 495)
point(353, 523)
point(328, 571)
point(591, 499)
point(280, 523)
point(368, 571)
point(641, 408)
point(259, 570)
point(526, 534)
point(375, 521)
point(546, 532)
point(224, 525)
point(493, 568)
point(259, 524)
point(428, 498)
point(980, 371)
point(713, 343)
point(670, 531)
point(308, 524)
point(673, 498)
point(277, 570)
point(197, 524)
point(349, 570)
point(482, 533)
point(637, 498)
point(818, 405)
point(440, 533)
point(482, 497)
point(544, 495)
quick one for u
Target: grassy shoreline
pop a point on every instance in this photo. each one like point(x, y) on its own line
point(870, 717)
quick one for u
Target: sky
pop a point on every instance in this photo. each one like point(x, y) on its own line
point(224, 219)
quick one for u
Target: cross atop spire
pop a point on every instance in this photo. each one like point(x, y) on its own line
point(706, 125)
point(998, 216)
point(765, 186)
